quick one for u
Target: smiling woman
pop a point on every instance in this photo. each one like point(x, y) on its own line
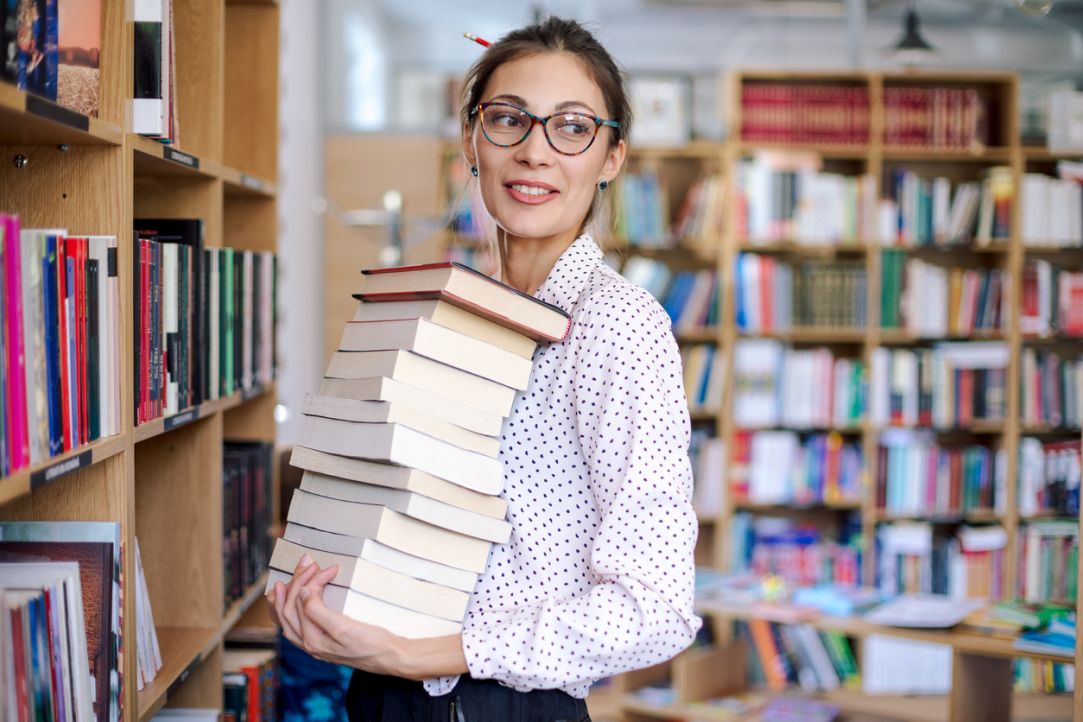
point(597, 577)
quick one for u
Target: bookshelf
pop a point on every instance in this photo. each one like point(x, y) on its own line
point(162, 481)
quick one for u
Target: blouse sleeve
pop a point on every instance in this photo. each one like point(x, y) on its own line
point(633, 427)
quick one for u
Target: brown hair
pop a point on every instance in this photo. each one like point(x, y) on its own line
point(555, 35)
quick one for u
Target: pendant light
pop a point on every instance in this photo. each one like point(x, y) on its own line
point(912, 48)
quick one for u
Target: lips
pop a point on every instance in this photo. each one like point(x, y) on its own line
point(531, 192)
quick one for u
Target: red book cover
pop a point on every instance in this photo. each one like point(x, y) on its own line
point(956, 492)
point(966, 397)
point(22, 679)
point(56, 677)
point(62, 314)
point(76, 247)
point(144, 332)
point(881, 477)
point(767, 289)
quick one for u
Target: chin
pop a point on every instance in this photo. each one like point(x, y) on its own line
point(532, 225)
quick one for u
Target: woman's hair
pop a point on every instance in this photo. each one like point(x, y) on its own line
point(557, 35)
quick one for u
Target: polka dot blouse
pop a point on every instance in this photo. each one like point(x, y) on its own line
point(598, 575)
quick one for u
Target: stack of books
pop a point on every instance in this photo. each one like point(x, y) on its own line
point(400, 449)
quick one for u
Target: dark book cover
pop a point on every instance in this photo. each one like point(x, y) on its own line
point(148, 60)
point(203, 346)
point(186, 232)
point(52, 346)
point(93, 350)
point(257, 316)
point(36, 41)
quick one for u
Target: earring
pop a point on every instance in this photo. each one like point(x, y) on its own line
point(474, 171)
point(603, 184)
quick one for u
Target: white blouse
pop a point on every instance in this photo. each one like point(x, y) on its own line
point(598, 575)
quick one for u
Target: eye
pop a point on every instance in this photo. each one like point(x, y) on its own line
point(506, 119)
point(574, 126)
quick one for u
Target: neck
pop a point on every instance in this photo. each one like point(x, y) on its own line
point(525, 263)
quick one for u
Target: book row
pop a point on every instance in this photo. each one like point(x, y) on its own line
point(691, 298)
point(61, 585)
point(249, 685)
point(929, 212)
point(781, 655)
point(704, 377)
point(800, 553)
point(642, 216)
point(1048, 559)
point(785, 197)
point(779, 467)
point(787, 113)
point(923, 558)
point(1037, 676)
point(52, 49)
point(775, 385)
point(1052, 208)
point(247, 515)
point(1049, 477)
point(917, 477)
point(399, 450)
point(772, 295)
point(204, 318)
point(931, 301)
point(60, 346)
point(707, 455)
point(1051, 389)
point(951, 385)
point(1052, 302)
point(702, 215)
point(935, 117)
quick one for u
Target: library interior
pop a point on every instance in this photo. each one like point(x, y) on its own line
point(853, 228)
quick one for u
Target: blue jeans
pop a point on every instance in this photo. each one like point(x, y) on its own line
point(376, 698)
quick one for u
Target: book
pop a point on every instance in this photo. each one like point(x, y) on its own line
point(442, 408)
point(78, 55)
point(377, 581)
point(424, 374)
point(771, 295)
point(247, 515)
point(411, 504)
point(782, 468)
point(377, 553)
point(1048, 559)
point(398, 477)
point(397, 620)
point(1051, 388)
point(444, 314)
point(258, 665)
point(893, 665)
point(1049, 477)
point(471, 291)
point(800, 553)
point(391, 412)
point(397, 531)
point(399, 444)
point(804, 113)
point(151, 43)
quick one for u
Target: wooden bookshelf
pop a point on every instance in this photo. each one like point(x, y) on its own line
point(161, 480)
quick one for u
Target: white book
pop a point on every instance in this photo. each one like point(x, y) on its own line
point(377, 581)
point(399, 444)
point(411, 504)
point(383, 555)
point(397, 620)
point(170, 319)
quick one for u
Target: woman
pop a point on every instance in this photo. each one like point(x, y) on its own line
point(597, 578)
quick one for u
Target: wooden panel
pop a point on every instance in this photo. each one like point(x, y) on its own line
point(198, 26)
point(249, 222)
point(252, 420)
point(203, 689)
point(183, 649)
point(115, 67)
point(359, 169)
point(97, 493)
point(251, 84)
point(710, 672)
point(178, 518)
point(182, 198)
point(981, 689)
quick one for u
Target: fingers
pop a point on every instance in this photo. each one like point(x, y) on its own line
point(286, 599)
point(271, 607)
point(312, 617)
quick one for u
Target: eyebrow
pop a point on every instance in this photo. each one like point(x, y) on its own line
point(561, 107)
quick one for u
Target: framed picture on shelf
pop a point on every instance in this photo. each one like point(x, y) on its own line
point(661, 108)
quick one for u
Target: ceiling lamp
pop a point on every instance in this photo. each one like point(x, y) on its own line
point(912, 48)
point(1034, 7)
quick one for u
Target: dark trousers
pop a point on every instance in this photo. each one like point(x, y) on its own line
point(376, 698)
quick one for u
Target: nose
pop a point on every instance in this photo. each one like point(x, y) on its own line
point(534, 151)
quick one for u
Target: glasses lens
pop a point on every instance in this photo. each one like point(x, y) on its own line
point(571, 132)
point(504, 125)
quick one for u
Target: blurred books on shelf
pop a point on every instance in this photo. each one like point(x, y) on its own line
point(1052, 301)
point(780, 468)
point(921, 558)
point(1048, 557)
point(919, 477)
point(1052, 208)
point(775, 385)
point(798, 553)
point(704, 377)
point(933, 301)
point(905, 666)
point(708, 456)
point(691, 298)
point(1042, 676)
point(931, 117)
point(783, 196)
point(775, 296)
point(1049, 477)
point(920, 212)
point(782, 655)
point(950, 385)
point(701, 219)
point(804, 114)
point(643, 216)
point(1051, 390)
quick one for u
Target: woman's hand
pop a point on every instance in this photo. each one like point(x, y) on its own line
point(325, 634)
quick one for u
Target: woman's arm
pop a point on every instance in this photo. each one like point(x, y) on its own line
point(325, 634)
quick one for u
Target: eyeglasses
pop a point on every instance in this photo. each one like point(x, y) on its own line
point(505, 125)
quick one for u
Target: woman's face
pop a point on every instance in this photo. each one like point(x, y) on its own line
point(531, 190)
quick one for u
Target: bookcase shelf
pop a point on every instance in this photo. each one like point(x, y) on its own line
point(161, 481)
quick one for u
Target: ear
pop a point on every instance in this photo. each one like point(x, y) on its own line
point(613, 161)
point(469, 152)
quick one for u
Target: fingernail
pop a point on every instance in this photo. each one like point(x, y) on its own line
point(306, 560)
point(303, 594)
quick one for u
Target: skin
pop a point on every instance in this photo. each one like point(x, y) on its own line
point(531, 236)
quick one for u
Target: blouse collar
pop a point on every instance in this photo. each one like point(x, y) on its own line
point(570, 273)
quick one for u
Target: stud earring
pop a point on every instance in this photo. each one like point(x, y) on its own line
point(474, 171)
point(603, 184)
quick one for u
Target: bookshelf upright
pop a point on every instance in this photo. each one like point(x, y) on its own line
point(162, 481)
